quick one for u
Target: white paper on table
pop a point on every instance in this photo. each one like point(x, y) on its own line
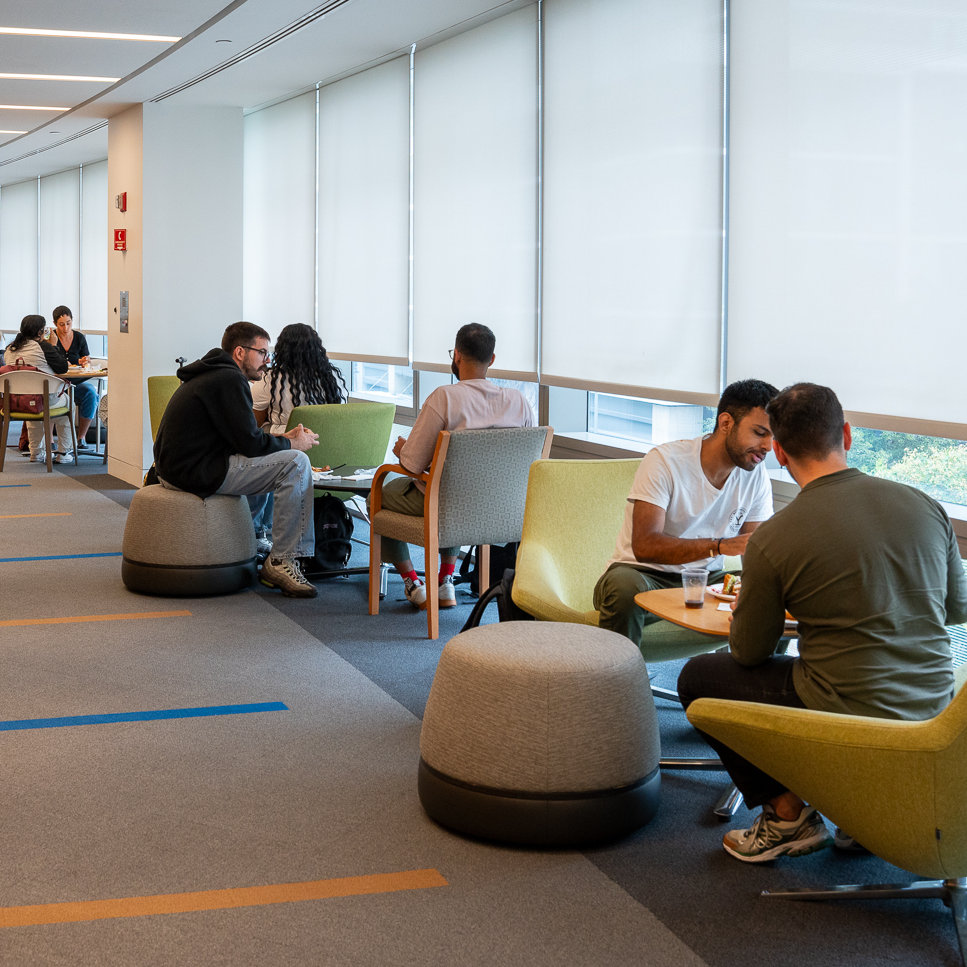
point(725, 606)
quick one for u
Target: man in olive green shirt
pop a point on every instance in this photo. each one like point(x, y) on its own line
point(871, 571)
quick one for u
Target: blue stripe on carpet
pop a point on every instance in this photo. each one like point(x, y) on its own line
point(172, 713)
point(8, 486)
point(57, 557)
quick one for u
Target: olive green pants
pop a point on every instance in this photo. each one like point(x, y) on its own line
point(402, 496)
point(614, 597)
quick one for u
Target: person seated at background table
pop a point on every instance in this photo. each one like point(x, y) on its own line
point(691, 502)
point(208, 443)
point(74, 343)
point(301, 375)
point(472, 403)
point(30, 348)
point(871, 571)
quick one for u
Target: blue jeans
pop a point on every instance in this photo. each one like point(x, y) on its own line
point(261, 506)
point(85, 397)
point(288, 474)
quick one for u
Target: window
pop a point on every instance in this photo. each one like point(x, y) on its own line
point(935, 465)
point(643, 421)
point(378, 381)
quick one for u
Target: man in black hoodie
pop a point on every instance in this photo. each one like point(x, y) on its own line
point(208, 443)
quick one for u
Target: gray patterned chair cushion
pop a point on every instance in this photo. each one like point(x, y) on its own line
point(170, 527)
point(482, 489)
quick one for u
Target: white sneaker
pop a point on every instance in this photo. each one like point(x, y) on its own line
point(415, 592)
point(64, 457)
point(263, 547)
point(448, 593)
point(39, 457)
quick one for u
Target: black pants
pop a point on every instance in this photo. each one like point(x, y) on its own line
point(721, 676)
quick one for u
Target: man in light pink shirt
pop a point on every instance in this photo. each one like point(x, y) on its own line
point(473, 403)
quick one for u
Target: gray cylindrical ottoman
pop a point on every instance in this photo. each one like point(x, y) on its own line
point(177, 544)
point(541, 733)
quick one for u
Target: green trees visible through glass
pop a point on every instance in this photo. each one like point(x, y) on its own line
point(934, 465)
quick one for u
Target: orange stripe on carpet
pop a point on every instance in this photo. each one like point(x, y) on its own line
point(65, 513)
point(81, 618)
point(250, 896)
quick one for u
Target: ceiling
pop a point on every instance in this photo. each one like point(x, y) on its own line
point(245, 54)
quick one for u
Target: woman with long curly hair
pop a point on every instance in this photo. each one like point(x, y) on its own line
point(301, 375)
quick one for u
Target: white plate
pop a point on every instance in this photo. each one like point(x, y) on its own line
point(716, 591)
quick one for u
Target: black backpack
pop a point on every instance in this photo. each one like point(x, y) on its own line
point(502, 556)
point(334, 530)
point(506, 609)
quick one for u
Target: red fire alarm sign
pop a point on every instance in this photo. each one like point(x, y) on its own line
point(120, 240)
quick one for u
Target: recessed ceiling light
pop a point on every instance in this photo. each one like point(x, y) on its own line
point(222, 41)
point(29, 107)
point(87, 34)
point(2, 131)
point(58, 77)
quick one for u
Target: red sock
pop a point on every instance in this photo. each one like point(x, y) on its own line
point(412, 576)
point(446, 571)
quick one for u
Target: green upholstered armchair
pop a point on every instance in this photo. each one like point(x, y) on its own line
point(354, 435)
point(899, 788)
point(160, 390)
point(574, 512)
point(475, 491)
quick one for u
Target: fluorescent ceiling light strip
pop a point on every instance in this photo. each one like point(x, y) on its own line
point(4, 131)
point(29, 107)
point(57, 77)
point(85, 34)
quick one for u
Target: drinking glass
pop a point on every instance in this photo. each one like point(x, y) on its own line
point(694, 580)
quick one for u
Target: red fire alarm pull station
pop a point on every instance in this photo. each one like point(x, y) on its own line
point(121, 201)
point(120, 240)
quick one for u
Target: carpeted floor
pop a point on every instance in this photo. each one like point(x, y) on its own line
point(326, 789)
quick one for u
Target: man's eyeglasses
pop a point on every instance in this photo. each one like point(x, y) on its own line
point(450, 351)
point(264, 353)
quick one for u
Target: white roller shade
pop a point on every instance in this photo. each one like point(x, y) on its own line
point(279, 215)
point(363, 214)
point(18, 253)
point(475, 199)
point(95, 240)
point(632, 204)
point(60, 241)
point(849, 201)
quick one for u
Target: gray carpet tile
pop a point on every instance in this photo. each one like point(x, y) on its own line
point(326, 789)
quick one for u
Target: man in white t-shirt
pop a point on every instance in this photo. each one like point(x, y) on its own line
point(692, 501)
point(473, 403)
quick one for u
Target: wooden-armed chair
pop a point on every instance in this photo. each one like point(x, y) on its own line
point(30, 382)
point(896, 787)
point(475, 492)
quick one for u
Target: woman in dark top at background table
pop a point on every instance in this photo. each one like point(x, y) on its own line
point(75, 345)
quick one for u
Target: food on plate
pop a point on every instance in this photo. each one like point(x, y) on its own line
point(320, 469)
point(731, 584)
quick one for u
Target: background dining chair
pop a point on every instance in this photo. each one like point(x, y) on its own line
point(160, 390)
point(575, 509)
point(475, 491)
point(27, 381)
point(895, 786)
point(353, 435)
